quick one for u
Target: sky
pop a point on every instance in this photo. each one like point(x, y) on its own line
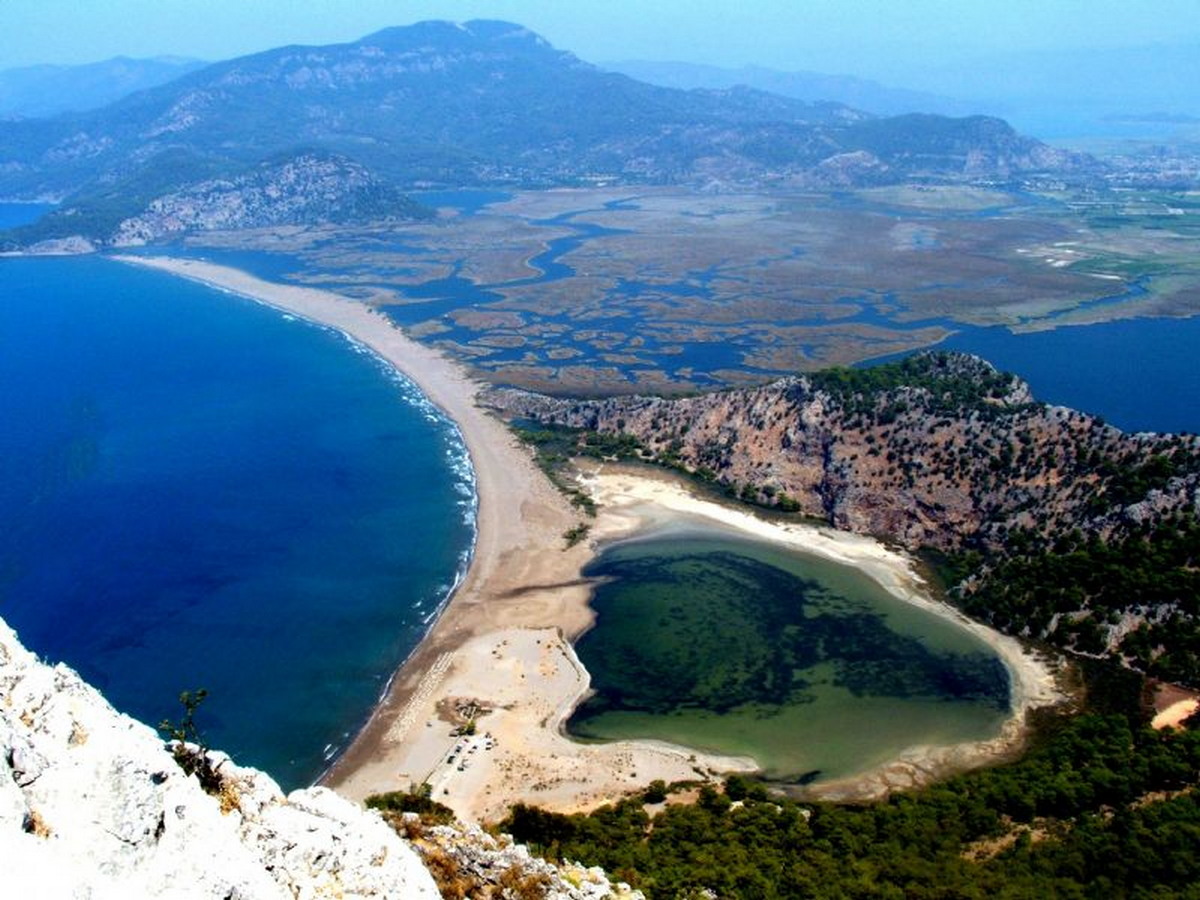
point(896, 41)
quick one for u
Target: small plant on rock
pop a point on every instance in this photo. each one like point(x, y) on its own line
point(188, 745)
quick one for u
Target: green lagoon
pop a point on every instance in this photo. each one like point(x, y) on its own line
point(810, 667)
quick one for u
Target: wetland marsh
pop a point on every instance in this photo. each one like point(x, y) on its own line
point(606, 291)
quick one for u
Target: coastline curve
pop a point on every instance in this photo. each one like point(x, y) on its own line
point(502, 641)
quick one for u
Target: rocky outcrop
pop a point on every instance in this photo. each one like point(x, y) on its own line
point(948, 453)
point(75, 245)
point(93, 806)
point(467, 861)
point(312, 188)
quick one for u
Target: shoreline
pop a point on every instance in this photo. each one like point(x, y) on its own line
point(1032, 680)
point(520, 605)
point(500, 651)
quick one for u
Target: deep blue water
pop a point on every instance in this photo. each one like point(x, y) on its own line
point(197, 491)
point(1139, 374)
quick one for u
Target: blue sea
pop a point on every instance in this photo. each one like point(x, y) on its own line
point(1139, 374)
point(200, 492)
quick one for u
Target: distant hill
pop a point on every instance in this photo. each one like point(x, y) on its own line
point(481, 103)
point(36, 91)
point(1068, 92)
point(860, 93)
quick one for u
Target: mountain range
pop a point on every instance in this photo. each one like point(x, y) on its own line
point(860, 93)
point(481, 103)
point(38, 91)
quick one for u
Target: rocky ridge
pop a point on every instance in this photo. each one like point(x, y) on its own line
point(942, 451)
point(469, 862)
point(963, 458)
point(310, 188)
point(93, 805)
point(492, 103)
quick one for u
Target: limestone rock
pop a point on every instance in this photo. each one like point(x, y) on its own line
point(93, 806)
point(498, 867)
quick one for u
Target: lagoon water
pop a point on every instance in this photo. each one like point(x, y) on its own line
point(707, 640)
point(198, 491)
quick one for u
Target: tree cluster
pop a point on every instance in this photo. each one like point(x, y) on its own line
point(1103, 808)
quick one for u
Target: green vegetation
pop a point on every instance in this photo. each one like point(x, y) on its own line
point(417, 799)
point(188, 746)
point(1102, 808)
point(575, 534)
point(1128, 483)
point(1151, 567)
point(953, 386)
point(553, 448)
point(555, 445)
point(656, 792)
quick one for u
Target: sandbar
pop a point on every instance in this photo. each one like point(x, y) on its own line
point(501, 651)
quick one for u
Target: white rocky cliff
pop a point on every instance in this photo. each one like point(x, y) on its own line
point(93, 806)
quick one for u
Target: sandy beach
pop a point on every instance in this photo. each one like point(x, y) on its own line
point(501, 651)
point(1172, 705)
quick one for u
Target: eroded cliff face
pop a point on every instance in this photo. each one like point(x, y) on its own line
point(93, 806)
point(961, 457)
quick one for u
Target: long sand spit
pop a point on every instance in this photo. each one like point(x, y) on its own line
point(501, 649)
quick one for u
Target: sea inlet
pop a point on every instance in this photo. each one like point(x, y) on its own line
point(719, 643)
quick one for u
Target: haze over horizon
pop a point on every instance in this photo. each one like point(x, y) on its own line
point(906, 44)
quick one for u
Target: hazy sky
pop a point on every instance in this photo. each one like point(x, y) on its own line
point(885, 39)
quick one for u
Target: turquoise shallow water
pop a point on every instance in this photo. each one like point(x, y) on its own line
point(808, 666)
point(197, 491)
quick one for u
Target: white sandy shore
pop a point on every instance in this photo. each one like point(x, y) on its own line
point(504, 642)
point(634, 495)
point(1173, 705)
